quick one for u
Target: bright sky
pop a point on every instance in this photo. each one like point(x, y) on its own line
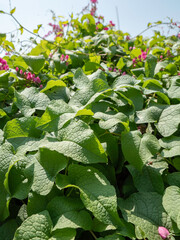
point(134, 15)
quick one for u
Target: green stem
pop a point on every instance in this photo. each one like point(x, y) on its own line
point(93, 234)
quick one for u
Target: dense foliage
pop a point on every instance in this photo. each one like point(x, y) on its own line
point(90, 136)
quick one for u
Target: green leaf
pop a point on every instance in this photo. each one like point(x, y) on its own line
point(171, 68)
point(30, 100)
point(4, 78)
point(112, 237)
point(174, 179)
point(146, 212)
point(80, 79)
point(8, 229)
point(68, 213)
point(169, 120)
point(37, 226)
point(122, 81)
point(149, 115)
point(51, 120)
point(19, 178)
point(149, 180)
point(109, 119)
point(12, 11)
point(173, 91)
point(97, 195)
point(143, 148)
point(171, 146)
point(171, 201)
point(35, 62)
point(77, 140)
point(82, 96)
point(52, 161)
point(21, 127)
point(64, 234)
point(150, 65)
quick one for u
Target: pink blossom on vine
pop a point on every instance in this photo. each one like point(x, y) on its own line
point(41, 86)
point(17, 69)
point(21, 71)
point(94, 1)
point(124, 73)
point(127, 37)
point(163, 232)
point(111, 24)
point(106, 28)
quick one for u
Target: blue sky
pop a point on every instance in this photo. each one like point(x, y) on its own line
point(133, 15)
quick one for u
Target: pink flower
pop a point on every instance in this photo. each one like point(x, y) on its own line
point(163, 232)
point(178, 74)
point(106, 28)
point(62, 57)
point(124, 73)
point(94, 1)
point(128, 37)
point(17, 69)
point(41, 86)
point(110, 69)
point(21, 71)
point(66, 57)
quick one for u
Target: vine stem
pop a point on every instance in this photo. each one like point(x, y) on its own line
point(94, 236)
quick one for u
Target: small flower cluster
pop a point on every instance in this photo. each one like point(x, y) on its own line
point(3, 64)
point(116, 70)
point(140, 58)
point(64, 58)
point(93, 7)
point(55, 30)
point(30, 77)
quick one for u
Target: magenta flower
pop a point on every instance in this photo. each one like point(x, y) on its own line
point(94, 1)
point(106, 28)
point(163, 232)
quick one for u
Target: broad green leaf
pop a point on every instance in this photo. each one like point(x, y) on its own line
point(135, 96)
point(8, 229)
point(112, 237)
point(56, 89)
point(42, 182)
point(86, 112)
point(37, 226)
point(171, 202)
point(149, 180)
point(143, 148)
point(171, 146)
point(4, 78)
point(60, 66)
point(51, 119)
point(97, 195)
point(30, 100)
point(82, 141)
point(82, 96)
point(19, 178)
point(109, 119)
point(169, 120)
point(52, 161)
point(171, 68)
point(80, 79)
point(69, 213)
point(174, 179)
point(21, 127)
point(149, 115)
point(173, 91)
point(35, 62)
point(150, 65)
point(64, 234)
point(125, 80)
point(146, 212)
